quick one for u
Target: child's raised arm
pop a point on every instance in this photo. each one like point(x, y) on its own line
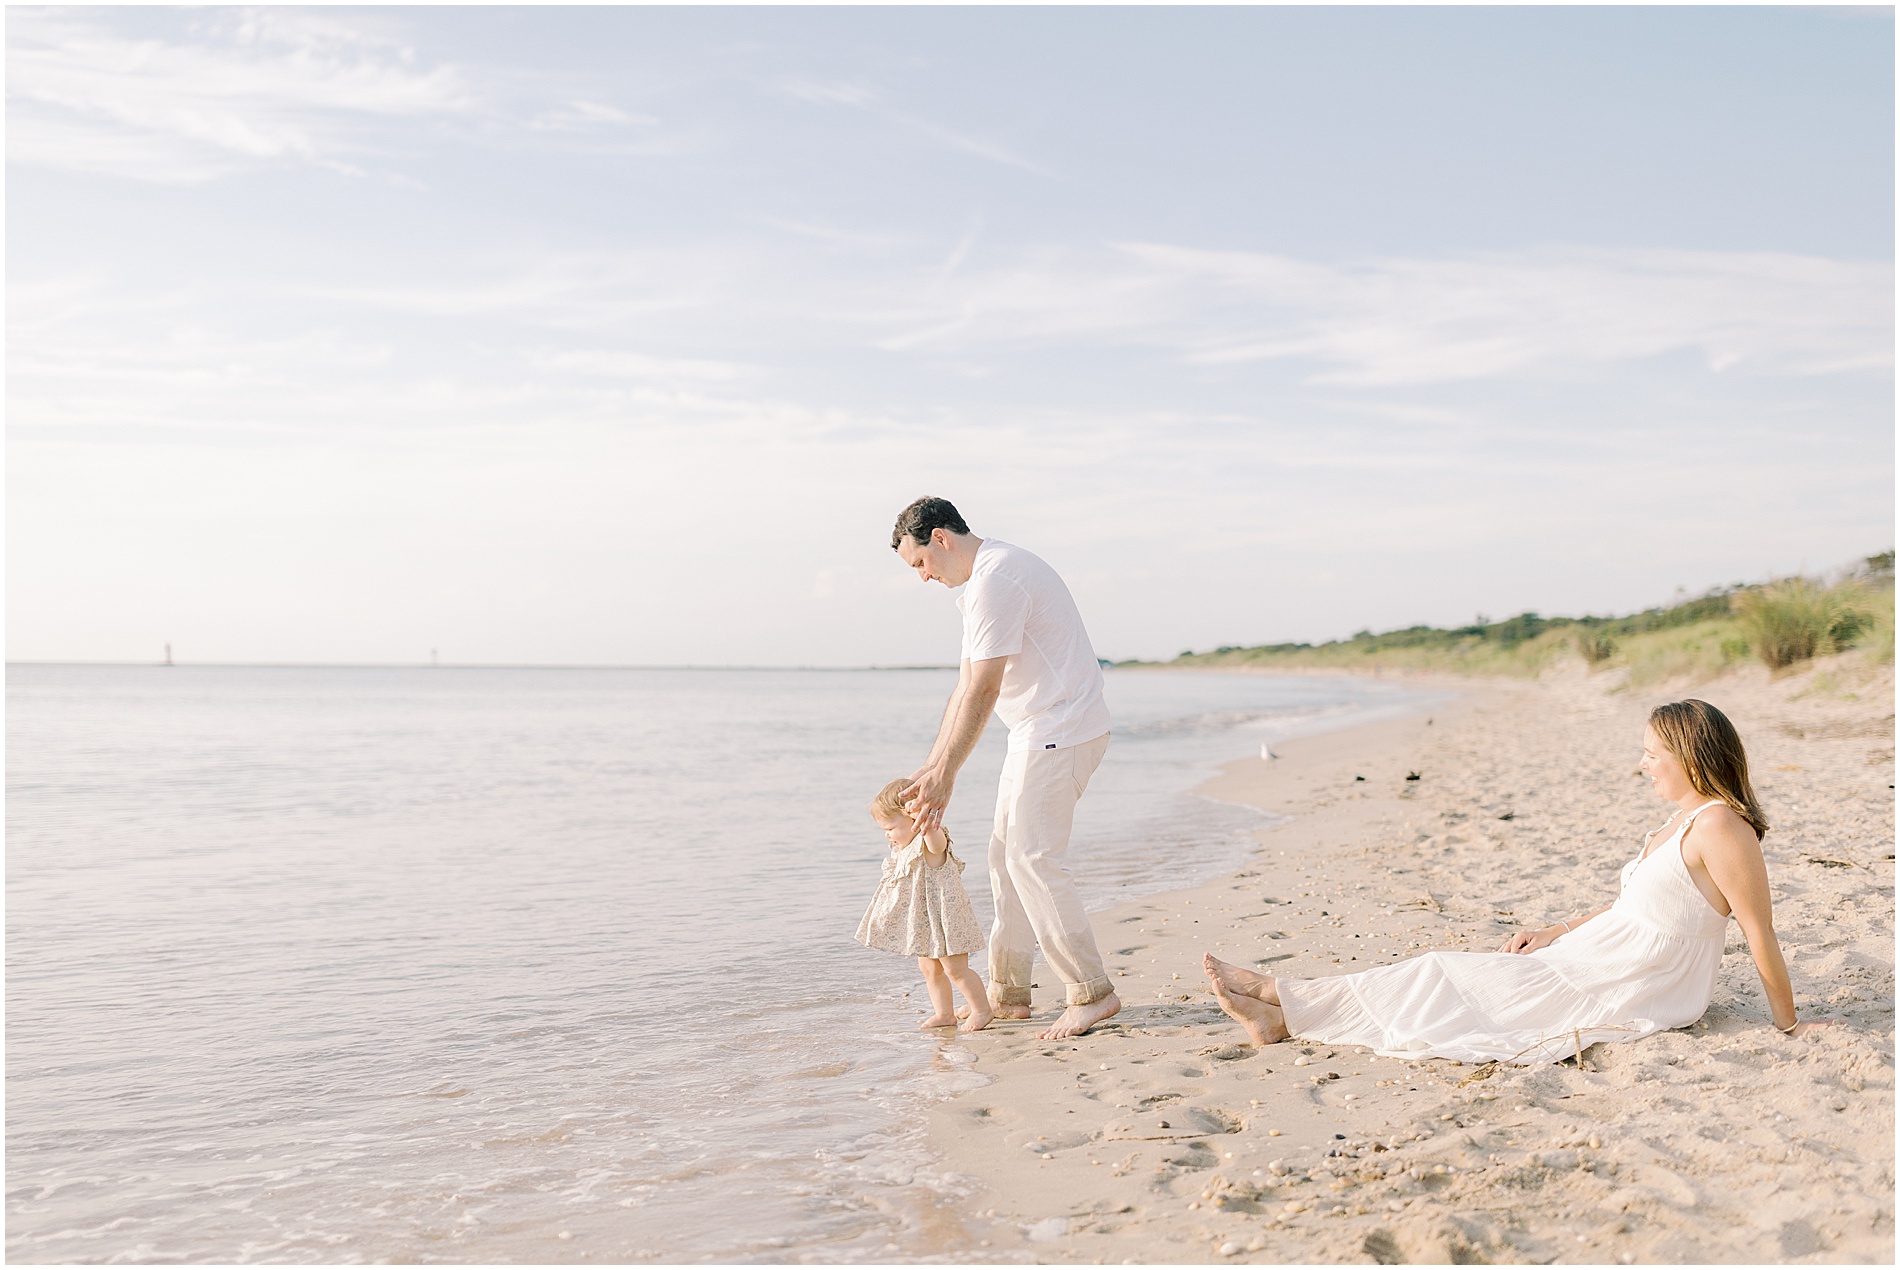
point(936, 842)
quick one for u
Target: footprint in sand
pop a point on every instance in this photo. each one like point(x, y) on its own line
point(1169, 1124)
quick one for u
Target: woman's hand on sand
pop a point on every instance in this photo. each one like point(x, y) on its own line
point(1528, 941)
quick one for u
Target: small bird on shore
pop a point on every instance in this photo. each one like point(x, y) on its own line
point(1267, 753)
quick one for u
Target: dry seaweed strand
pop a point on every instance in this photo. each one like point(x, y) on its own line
point(1577, 1043)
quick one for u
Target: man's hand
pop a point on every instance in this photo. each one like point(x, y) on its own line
point(927, 797)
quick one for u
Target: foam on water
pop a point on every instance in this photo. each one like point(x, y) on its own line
point(455, 965)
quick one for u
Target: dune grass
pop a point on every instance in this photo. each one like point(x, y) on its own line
point(1780, 624)
point(1797, 618)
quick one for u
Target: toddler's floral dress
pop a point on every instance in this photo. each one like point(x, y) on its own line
point(920, 908)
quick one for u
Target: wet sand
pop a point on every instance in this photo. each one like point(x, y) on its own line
point(1164, 1137)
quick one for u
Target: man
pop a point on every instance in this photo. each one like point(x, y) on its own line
point(1025, 656)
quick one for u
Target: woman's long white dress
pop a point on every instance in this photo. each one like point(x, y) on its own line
point(1647, 964)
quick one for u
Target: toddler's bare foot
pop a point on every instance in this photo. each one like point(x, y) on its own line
point(998, 1012)
point(975, 1018)
point(1078, 1019)
point(1265, 1023)
point(937, 1020)
point(1238, 980)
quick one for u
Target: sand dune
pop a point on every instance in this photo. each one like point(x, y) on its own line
point(1165, 1138)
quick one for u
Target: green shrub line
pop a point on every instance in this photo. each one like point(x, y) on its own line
point(1780, 623)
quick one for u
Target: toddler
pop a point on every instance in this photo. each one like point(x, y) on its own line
point(922, 909)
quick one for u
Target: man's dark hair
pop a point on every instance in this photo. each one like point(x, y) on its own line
point(924, 515)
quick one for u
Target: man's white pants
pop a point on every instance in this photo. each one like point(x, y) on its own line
point(1036, 901)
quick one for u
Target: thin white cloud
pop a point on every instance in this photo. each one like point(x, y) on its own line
point(960, 253)
point(832, 236)
point(979, 147)
point(1529, 315)
point(832, 93)
point(1505, 314)
point(575, 291)
point(623, 364)
point(1051, 297)
point(1392, 322)
point(586, 116)
point(245, 88)
point(870, 100)
point(690, 338)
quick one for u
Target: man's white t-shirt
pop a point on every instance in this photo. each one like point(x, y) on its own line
point(1015, 606)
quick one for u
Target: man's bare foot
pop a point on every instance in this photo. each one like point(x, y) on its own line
point(998, 1012)
point(1265, 1023)
point(937, 1020)
point(1078, 1019)
point(975, 1018)
point(1240, 981)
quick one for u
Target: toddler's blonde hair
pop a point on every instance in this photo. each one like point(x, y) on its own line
point(887, 803)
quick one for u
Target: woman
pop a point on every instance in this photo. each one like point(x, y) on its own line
point(1642, 964)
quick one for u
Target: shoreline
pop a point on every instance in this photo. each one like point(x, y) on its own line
point(1164, 1137)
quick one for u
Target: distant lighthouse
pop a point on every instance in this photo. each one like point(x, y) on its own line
point(168, 654)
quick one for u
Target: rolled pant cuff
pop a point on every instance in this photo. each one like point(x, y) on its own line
point(1091, 992)
point(1008, 994)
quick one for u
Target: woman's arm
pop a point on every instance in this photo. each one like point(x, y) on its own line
point(1728, 852)
point(1531, 940)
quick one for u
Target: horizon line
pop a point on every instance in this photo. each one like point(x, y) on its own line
point(474, 665)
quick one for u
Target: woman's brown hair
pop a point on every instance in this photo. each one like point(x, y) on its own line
point(1710, 751)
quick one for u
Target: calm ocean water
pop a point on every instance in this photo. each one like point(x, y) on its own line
point(514, 965)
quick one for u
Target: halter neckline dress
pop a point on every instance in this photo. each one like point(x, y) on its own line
point(1647, 964)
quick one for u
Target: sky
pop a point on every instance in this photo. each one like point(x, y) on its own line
point(617, 336)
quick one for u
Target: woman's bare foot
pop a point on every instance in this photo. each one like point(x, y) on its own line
point(1078, 1019)
point(975, 1018)
point(1265, 1023)
point(998, 1012)
point(1240, 981)
point(937, 1020)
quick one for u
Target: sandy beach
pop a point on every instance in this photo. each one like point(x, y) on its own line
point(1164, 1137)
